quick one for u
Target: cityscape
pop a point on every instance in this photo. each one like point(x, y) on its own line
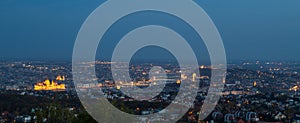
point(255, 91)
point(149, 61)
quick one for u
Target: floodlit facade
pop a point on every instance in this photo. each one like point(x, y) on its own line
point(47, 85)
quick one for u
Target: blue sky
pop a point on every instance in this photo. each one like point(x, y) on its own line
point(251, 29)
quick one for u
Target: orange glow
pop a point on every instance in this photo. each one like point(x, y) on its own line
point(60, 78)
point(47, 85)
point(254, 84)
point(295, 88)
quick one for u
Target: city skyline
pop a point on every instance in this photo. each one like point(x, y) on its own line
point(199, 61)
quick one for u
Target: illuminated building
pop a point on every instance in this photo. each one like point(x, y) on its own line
point(295, 88)
point(254, 84)
point(60, 78)
point(194, 77)
point(183, 76)
point(47, 85)
point(118, 87)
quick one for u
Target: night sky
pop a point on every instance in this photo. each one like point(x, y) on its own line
point(251, 29)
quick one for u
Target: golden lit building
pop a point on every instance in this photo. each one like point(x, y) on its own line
point(295, 88)
point(254, 84)
point(47, 85)
point(60, 78)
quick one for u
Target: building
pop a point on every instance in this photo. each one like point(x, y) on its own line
point(47, 85)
